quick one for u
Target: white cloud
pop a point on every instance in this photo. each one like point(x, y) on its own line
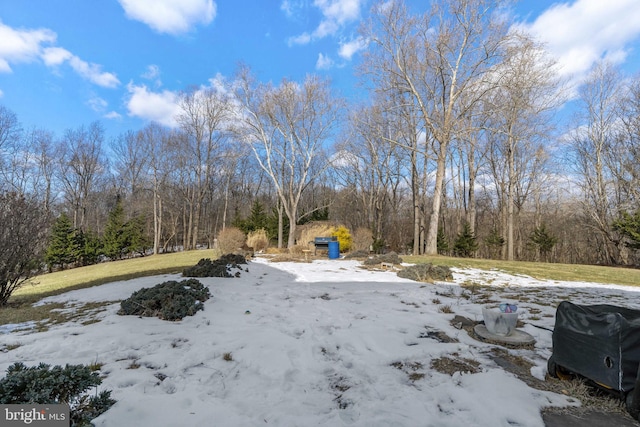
point(161, 107)
point(287, 7)
point(153, 74)
point(56, 56)
point(21, 45)
point(1, 93)
point(580, 33)
point(303, 38)
point(97, 104)
point(29, 45)
point(112, 115)
point(324, 62)
point(336, 14)
point(170, 16)
point(93, 73)
point(53, 56)
point(347, 50)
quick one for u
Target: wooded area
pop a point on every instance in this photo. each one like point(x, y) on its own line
point(458, 140)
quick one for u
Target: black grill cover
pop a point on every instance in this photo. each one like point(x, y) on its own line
point(599, 342)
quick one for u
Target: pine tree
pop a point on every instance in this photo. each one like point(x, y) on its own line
point(134, 237)
point(443, 242)
point(258, 217)
point(544, 240)
point(114, 238)
point(63, 246)
point(466, 243)
point(629, 226)
point(89, 247)
point(495, 242)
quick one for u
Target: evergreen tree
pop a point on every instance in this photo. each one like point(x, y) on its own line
point(443, 242)
point(320, 214)
point(89, 247)
point(134, 237)
point(272, 225)
point(495, 242)
point(466, 243)
point(544, 240)
point(629, 226)
point(114, 238)
point(63, 246)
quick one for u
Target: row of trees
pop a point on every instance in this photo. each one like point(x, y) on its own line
point(458, 132)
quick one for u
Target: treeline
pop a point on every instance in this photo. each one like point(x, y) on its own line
point(456, 151)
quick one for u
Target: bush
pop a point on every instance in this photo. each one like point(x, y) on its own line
point(45, 385)
point(344, 238)
point(170, 300)
point(218, 268)
point(230, 240)
point(297, 249)
point(426, 273)
point(310, 231)
point(258, 240)
point(391, 258)
point(359, 254)
point(362, 239)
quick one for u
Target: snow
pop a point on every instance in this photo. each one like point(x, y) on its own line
point(311, 344)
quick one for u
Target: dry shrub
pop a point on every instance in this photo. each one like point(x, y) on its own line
point(285, 258)
point(276, 251)
point(230, 240)
point(258, 240)
point(297, 249)
point(362, 239)
point(316, 230)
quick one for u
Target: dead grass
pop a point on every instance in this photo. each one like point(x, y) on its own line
point(412, 369)
point(540, 270)
point(20, 307)
point(66, 280)
point(51, 314)
point(447, 309)
point(451, 365)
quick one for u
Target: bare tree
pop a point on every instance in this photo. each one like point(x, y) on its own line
point(10, 140)
point(23, 226)
point(524, 94)
point(626, 156)
point(204, 119)
point(81, 164)
point(42, 147)
point(156, 140)
point(370, 165)
point(10, 128)
point(287, 128)
point(130, 158)
point(597, 125)
point(436, 58)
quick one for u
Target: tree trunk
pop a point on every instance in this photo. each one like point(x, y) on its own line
point(432, 232)
point(510, 201)
point(415, 195)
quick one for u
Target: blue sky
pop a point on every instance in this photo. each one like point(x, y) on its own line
point(66, 63)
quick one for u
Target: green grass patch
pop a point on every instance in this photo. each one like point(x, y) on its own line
point(51, 314)
point(20, 313)
point(540, 270)
point(77, 278)
point(20, 308)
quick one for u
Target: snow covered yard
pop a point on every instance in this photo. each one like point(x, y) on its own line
point(322, 343)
